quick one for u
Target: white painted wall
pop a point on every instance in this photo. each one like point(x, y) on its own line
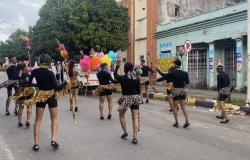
point(189, 8)
point(140, 50)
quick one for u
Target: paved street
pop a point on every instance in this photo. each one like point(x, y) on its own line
point(92, 139)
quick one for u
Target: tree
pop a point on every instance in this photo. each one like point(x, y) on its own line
point(13, 44)
point(81, 24)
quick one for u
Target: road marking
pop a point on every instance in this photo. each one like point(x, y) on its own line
point(4, 147)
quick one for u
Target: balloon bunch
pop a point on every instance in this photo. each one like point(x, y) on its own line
point(181, 51)
point(92, 63)
point(26, 42)
point(63, 52)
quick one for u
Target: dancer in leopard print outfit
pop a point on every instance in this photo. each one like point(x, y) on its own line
point(179, 79)
point(130, 98)
point(223, 83)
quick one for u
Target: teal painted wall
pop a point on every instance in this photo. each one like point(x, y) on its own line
point(235, 26)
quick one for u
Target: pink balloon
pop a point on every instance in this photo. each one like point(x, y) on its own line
point(61, 47)
point(85, 63)
point(181, 49)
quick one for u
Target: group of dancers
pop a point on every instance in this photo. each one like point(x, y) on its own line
point(33, 87)
point(40, 87)
point(176, 87)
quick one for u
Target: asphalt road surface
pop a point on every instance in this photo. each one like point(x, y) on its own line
point(92, 139)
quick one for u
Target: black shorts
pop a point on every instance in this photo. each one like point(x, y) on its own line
point(9, 88)
point(52, 103)
point(25, 98)
point(146, 83)
point(223, 97)
point(134, 107)
point(107, 92)
point(180, 97)
point(169, 93)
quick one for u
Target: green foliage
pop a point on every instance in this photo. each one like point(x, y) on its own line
point(13, 44)
point(81, 24)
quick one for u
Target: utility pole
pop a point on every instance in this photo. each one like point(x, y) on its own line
point(248, 57)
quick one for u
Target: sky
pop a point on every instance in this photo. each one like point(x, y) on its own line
point(16, 14)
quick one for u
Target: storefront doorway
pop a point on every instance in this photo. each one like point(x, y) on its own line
point(197, 68)
point(230, 64)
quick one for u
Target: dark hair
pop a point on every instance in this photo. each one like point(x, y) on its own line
point(219, 67)
point(45, 59)
point(103, 65)
point(171, 69)
point(18, 58)
point(24, 57)
point(11, 56)
point(128, 67)
point(177, 62)
point(71, 68)
point(21, 66)
point(56, 63)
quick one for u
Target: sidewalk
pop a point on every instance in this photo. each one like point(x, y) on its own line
point(205, 98)
point(203, 93)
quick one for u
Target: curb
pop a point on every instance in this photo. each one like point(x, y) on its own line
point(202, 101)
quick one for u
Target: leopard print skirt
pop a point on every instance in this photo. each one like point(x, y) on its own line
point(23, 93)
point(224, 91)
point(126, 102)
point(179, 92)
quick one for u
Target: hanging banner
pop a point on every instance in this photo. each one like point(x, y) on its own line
point(211, 58)
point(239, 55)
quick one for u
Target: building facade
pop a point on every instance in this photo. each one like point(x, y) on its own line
point(219, 36)
point(172, 10)
point(143, 21)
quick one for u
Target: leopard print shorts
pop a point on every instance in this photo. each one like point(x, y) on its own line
point(126, 102)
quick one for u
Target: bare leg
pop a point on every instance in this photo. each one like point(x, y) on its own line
point(9, 92)
point(223, 111)
point(54, 123)
point(135, 115)
point(101, 107)
point(38, 119)
point(146, 92)
point(123, 121)
point(71, 100)
point(183, 107)
point(175, 111)
point(142, 90)
point(75, 95)
point(20, 111)
point(139, 121)
point(16, 107)
point(110, 103)
point(29, 112)
point(171, 103)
